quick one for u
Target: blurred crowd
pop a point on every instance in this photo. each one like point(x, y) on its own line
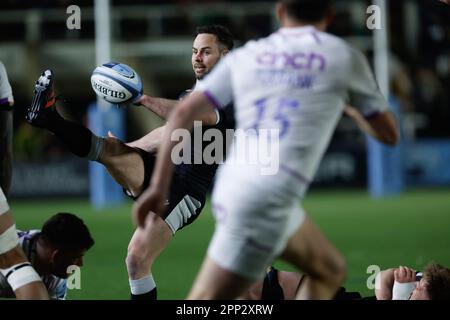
point(420, 75)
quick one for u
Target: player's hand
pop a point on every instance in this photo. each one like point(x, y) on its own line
point(152, 200)
point(404, 275)
point(141, 100)
point(111, 135)
point(445, 1)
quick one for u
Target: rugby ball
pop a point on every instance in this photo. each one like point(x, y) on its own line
point(117, 83)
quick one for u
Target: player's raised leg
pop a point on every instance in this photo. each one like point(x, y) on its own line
point(311, 252)
point(123, 162)
point(126, 166)
point(14, 266)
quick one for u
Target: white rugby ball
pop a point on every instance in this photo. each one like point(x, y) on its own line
point(116, 83)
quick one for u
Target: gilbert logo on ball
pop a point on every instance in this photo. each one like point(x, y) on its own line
point(116, 83)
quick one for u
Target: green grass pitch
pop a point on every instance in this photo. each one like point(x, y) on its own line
point(410, 229)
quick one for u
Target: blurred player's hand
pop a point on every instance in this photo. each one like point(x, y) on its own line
point(404, 275)
point(445, 1)
point(152, 200)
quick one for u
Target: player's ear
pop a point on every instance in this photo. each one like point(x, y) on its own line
point(280, 11)
point(54, 255)
point(331, 15)
point(224, 52)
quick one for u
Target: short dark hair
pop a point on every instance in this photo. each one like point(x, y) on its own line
point(222, 33)
point(66, 231)
point(438, 281)
point(307, 10)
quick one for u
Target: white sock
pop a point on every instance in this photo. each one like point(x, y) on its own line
point(143, 285)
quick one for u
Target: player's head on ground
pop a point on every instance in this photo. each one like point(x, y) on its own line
point(314, 12)
point(211, 43)
point(434, 285)
point(63, 241)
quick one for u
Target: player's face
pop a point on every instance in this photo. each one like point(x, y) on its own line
point(205, 54)
point(64, 259)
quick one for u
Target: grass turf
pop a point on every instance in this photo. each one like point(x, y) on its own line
point(410, 229)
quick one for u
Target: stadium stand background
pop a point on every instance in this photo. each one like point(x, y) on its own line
point(155, 38)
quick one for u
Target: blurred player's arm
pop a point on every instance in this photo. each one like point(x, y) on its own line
point(163, 107)
point(381, 127)
point(369, 109)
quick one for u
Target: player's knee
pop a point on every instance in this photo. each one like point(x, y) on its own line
point(335, 270)
point(136, 263)
point(330, 268)
point(339, 272)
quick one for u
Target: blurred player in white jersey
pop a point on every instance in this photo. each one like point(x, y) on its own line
point(298, 80)
point(60, 244)
point(14, 265)
point(6, 128)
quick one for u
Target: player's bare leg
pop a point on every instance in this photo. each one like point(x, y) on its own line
point(145, 246)
point(311, 252)
point(215, 283)
point(124, 164)
point(14, 265)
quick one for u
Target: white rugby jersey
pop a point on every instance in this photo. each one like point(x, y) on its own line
point(57, 287)
point(296, 80)
point(6, 95)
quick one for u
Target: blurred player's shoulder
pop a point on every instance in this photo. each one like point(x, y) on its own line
point(2, 69)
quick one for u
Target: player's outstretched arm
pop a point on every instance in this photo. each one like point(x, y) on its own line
point(382, 127)
point(163, 107)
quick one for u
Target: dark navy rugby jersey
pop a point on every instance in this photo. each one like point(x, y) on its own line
point(199, 176)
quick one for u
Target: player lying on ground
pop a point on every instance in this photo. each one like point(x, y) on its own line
point(297, 82)
point(14, 265)
point(62, 243)
point(400, 283)
point(404, 283)
point(132, 166)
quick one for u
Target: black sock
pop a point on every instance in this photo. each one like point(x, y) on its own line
point(76, 137)
point(151, 295)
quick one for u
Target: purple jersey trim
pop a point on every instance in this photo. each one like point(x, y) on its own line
point(4, 101)
point(212, 99)
point(372, 115)
point(295, 174)
point(316, 37)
